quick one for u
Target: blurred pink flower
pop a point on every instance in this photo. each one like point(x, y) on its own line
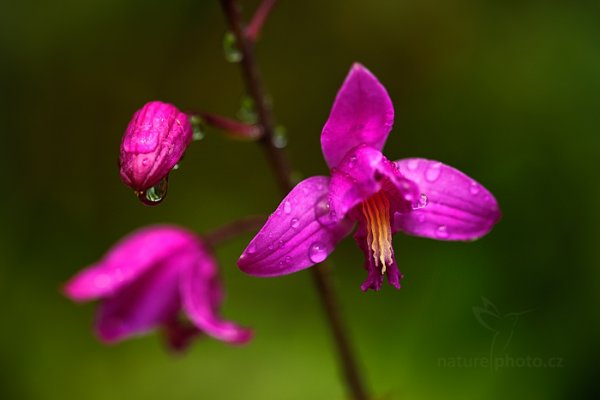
point(416, 196)
point(145, 281)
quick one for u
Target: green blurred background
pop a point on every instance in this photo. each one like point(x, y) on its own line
point(507, 91)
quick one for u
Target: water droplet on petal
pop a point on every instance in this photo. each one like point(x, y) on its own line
point(433, 172)
point(294, 223)
point(287, 259)
point(287, 207)
point(251, 249)
point(325, 216)
point(474, 188)
point(422, 202)
point(352, 162)
point(442, 232)
point(154, 195)
point(317, 252)
point(413, 164)
point(230, 49)
point(145, 161)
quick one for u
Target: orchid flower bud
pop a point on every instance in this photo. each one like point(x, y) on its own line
point(152, 145)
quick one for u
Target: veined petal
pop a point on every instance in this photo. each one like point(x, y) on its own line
point(152, 299)
point(201, 294)
point(455, 207)
point(299, 234)
point(364, 172)
point(361, 114)
point(127, 260)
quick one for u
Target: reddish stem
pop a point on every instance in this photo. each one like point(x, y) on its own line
point(234, 127)
point(234, 229)
point(258, 20)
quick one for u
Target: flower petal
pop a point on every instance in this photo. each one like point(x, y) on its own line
point(364, 172)
point(127, 260)
point(201, 295)
point(152, 299)
point(456, 206)
point(299, 234)
point(362, 113)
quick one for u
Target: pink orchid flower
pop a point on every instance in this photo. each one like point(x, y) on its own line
point(417, 196)
point(152, 145)
point(147, 278)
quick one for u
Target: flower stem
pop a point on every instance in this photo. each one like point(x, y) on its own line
point(280, 166)
point(234, 229)
point(259, 19)
point(234, 128)
point(278, 162)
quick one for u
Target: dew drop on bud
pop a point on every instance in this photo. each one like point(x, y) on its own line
point(154, 195)
point(230, 49)
point(317, 252)
point(294, 223)
point(352, 161)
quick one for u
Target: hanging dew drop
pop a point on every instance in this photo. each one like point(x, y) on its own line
point(317, 252)
point(230, 49)
point(154, 195)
